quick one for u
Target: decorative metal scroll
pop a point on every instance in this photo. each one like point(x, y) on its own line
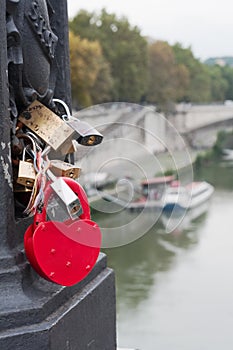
point(31, 50)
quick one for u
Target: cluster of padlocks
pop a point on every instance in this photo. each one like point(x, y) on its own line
point(63, 252)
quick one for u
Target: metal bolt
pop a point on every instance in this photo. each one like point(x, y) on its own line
point(68, 264)
point(88, 267)
point(53, 251)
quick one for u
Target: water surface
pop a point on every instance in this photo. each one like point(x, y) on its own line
point(175, 291)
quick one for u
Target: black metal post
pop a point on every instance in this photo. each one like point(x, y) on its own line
point(62, 63)
point(7, 236)
point(36, 314)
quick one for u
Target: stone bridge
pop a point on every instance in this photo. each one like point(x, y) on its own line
point(200, 124)
point(130, 129)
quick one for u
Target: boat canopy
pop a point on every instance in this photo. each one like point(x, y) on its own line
point(158, 180)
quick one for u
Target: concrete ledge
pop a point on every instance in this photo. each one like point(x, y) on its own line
point(126, 349)
point(79, 317)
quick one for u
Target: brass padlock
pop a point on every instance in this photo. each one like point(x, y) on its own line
point(60, 168)
point(16, 186)
point(20, 188)
point(47, 125)
point(26, 172)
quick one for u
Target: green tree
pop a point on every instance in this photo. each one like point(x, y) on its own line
point(168, 80)
point(227, 74)
point(218, 84)
point(88, 67)
point(123, 47)
point(101, 90)
point(199, 89)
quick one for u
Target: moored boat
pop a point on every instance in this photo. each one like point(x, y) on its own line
point(227, 154)
point(151, 193)
point(186, 197)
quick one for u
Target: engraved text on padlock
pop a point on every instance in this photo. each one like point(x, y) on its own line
point(47, 125)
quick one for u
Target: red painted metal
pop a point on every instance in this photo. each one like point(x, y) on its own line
point(63, 252)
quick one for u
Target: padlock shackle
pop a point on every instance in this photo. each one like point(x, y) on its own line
point(28, 137)
point(66, 108)
point(63, 252)
point(40, 215)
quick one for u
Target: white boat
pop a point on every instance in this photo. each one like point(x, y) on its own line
point(186, 197)
point(227, 154)
point(178, 221)
point(151, 193)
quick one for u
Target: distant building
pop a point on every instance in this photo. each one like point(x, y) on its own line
point(221, 61)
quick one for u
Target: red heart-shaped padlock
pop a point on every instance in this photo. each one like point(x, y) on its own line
point(63, 253)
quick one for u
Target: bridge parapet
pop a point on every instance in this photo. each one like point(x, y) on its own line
point(191, 117)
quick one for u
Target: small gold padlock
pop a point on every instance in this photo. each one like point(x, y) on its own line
point(60, 168)
point(26, 172)
point(20, 188)
point(17, 187)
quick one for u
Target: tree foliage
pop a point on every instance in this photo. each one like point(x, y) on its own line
point(199, 81)
point(167, 79)
point(219, 84)
point(112, 61)
point(88, 67)
point(123, 47)
point(227, 74)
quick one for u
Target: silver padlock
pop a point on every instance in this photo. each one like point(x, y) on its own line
point(84, 133)
point(67, 196)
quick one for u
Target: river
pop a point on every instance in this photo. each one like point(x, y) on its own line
point(175, 290)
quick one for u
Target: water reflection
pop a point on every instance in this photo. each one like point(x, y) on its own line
point(169, 286)
point(137, 264)
point(219, 175)
point(124, 227)
point(177, 221)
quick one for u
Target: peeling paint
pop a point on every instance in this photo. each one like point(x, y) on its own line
point(9, 155)
point(3, 145)
point(7, 175)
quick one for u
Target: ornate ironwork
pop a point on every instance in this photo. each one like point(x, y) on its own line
point(31, 45)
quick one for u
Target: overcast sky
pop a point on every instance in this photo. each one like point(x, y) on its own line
point(205, 25)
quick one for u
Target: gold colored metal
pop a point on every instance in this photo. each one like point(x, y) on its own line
point(26, 174)
point(91, 140)
point(20, 188)
point(60, 168)
point(46, 124)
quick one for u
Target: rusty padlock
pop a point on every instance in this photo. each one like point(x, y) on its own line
point(63, 252)
point(26, 172)
point(60, 168)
